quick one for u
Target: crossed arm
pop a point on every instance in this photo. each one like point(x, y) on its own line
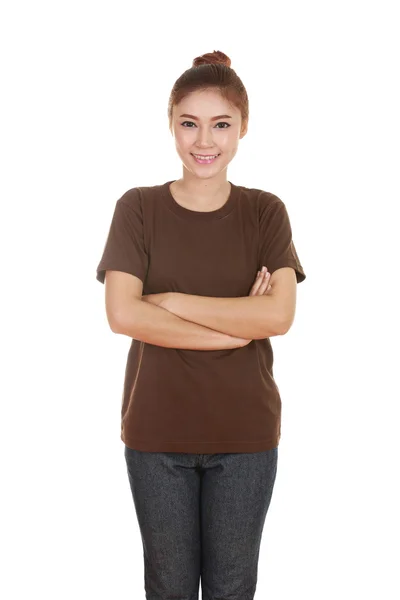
point(248, 317)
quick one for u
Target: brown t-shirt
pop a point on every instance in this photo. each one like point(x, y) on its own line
point(200, 401)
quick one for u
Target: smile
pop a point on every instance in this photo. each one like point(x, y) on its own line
point(205, 159)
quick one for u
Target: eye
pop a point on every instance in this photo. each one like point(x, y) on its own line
point(220, 123)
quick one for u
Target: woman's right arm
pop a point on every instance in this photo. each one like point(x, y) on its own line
point(155, 325)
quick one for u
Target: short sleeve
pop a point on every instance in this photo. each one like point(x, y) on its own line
point(276, 246)
point(124, 249)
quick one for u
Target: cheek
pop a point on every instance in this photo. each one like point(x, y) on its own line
point(229, 148)
point(229, 139)
point(184, 139)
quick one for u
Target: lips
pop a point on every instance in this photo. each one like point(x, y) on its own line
point(205, 161)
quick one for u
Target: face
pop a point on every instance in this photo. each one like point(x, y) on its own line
point(197, 131)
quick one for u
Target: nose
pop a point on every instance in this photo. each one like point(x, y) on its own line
point(204, 138)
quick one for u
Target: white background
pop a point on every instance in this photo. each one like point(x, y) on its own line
point(85, 87)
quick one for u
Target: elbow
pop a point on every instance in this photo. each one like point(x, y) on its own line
point(115, 322)
point(284, 325)
point(114, 328)
point(124, 320)
point(113, 318)
point(282, 330)
point(114, 325)
point(271, 331)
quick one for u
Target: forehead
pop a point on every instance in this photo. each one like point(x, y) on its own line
point(205, 104)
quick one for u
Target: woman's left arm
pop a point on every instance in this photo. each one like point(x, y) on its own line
point(249, 317)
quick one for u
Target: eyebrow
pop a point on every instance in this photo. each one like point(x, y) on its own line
point(212, 118)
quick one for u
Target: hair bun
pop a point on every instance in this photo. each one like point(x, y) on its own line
point(212, 58)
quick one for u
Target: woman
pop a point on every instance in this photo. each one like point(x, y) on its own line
point(200, 408)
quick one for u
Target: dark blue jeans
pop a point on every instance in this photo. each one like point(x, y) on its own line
point(201, 516)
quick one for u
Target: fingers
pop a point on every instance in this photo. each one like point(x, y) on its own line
point(261, 284)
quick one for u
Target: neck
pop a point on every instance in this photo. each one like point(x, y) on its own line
point(203, 191)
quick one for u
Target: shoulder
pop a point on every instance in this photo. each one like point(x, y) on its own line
point(137, 197)
point(262, 199)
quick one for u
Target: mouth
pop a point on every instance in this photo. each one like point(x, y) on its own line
point(205, 159)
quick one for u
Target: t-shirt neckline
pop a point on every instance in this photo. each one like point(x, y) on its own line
point(211, 215)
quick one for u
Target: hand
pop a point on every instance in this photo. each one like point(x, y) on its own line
point(261, 285)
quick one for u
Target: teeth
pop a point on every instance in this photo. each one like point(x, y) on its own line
point(205, 157)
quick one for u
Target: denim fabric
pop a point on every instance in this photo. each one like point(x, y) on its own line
point(201, 517)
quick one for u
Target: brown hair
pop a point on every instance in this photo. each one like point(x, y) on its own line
point(211, 71)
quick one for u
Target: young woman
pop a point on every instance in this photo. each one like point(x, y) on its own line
point(200, 274)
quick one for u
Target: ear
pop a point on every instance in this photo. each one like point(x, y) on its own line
point(243, 130)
